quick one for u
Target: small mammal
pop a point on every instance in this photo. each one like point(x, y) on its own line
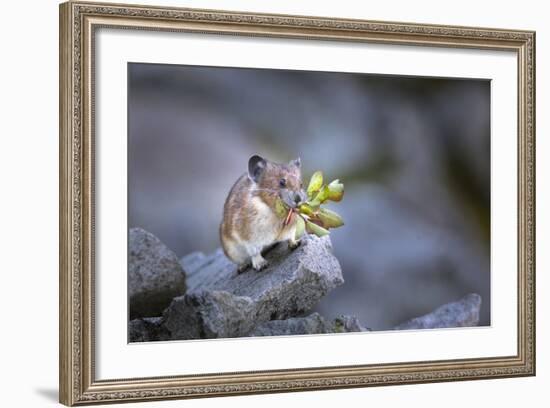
point(250, 220)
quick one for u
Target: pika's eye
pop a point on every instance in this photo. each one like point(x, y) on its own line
point(282, 182)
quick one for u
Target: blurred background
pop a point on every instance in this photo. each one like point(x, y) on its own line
point(413, 153)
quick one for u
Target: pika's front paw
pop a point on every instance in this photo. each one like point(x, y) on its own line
point(259, 263)
point(293, 244)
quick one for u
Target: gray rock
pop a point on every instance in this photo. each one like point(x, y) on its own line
point(463, 313)
point(209, 314)
point(193, 263)
point(222, 303)
point(155, 275)
point(347, 324)
point(147, 329)
point(312, 324)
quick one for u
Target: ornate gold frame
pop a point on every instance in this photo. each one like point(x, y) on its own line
point(78, 22)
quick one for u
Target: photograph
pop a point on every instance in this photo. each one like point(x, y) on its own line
point(266, 202)
point(276, 202)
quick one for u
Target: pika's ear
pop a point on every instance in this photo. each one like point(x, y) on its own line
point(256, 166)
point(296, 162)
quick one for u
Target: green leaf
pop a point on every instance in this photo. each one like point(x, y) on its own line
point(280, 208)
point(335, 185)
point(316, 229)
point(306, 209)
point(322, 195)
point(314, 204)
point(335, 190)
point(336, 196)
point(315, 183)
point(300, 227)
point(330, 219)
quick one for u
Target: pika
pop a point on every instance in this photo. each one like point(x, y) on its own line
point(251, 220)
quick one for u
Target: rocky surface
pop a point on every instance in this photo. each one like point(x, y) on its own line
point(463, 313)
point(222, 303)
point(155, 275)
point(312, 324)
point(147, 329)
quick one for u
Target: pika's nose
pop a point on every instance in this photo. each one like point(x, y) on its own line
point(297, 198)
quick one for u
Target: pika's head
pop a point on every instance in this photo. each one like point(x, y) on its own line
point(274, 180)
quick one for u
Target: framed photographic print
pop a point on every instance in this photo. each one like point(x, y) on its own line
point(256, 203)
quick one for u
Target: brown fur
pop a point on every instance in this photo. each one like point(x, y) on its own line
point(249, 215)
